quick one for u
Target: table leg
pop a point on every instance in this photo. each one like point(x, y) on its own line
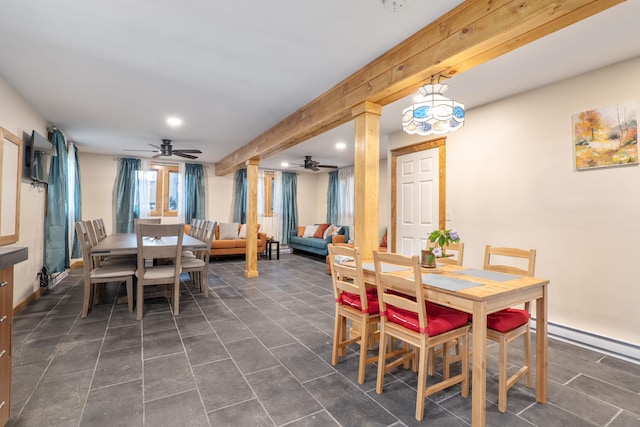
point(278, 250)
point(479, 366)
point(269, 250)
point(541, 347)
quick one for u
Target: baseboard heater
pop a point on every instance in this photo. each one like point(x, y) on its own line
point(621, 349)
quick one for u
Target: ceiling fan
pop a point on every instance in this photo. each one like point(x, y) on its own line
point(166, 149)
point(314, 165)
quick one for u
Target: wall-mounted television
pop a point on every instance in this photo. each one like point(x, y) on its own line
point(36, 159)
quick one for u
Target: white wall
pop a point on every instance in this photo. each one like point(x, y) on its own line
point(17, 117)
point(511, 181)
point(98, 176)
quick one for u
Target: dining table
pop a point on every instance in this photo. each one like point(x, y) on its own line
point(127, 244)
point(481, 292)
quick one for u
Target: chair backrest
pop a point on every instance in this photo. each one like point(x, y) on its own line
point(159, 241)
point(403, 291)
point(85, 244)
point(98, 225)
point(93, 238)
point(348, 277)
point(208, 232)
point(504, 254)
point(458, 248)
point(196, 227)
point(137, 221)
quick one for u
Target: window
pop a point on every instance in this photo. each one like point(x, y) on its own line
point(163, 190)
point(269, 183)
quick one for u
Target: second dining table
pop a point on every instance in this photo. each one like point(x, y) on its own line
point(481, 292)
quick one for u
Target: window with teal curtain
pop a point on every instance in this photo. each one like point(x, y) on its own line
point(240, 197)
point(127, 201)
point(289, 204)
point(332, 198)
point(57, 225)
point(74, 168)
point(194, 192)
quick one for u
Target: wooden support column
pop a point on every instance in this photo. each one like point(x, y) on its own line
point(252, 218)
point(366, 176)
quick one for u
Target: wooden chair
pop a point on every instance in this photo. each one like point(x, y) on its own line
point(197, 265)
point(456, 248)
point(137, 221)
point(94, 275)
point(353, 302)
point(506, 325)
point(149, 239)
point(405, 315)
point(98, 225)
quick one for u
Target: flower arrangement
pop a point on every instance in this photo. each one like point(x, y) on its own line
point(442, 238)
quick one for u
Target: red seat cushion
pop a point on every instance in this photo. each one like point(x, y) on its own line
point(507, 319)
point(354, 300)
point(438, 321)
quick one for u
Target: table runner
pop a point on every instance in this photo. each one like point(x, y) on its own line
point(487, 274)
point(448, 283)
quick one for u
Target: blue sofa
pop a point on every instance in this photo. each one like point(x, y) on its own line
point(314, 245)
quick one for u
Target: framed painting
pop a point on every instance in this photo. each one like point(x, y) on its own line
point(10, 173)
point(606, 136)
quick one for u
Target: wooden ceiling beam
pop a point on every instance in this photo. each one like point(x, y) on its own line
point(473, 33)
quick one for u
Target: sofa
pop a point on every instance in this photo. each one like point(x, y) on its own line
point(232, 246)
point(317, 245)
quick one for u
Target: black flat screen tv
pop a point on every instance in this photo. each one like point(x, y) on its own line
point(36, 160)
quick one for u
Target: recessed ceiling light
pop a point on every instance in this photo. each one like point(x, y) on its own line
point(174, 121)
point(284, 164)
point(341, 145)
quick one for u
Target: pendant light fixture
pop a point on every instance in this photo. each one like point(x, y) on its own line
point(433, 113)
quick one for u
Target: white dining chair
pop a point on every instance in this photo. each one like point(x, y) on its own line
point(198, 265)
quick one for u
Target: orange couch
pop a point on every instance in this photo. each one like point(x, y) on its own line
point(232, 247)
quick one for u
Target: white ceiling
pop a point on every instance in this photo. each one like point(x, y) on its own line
point(109, 72)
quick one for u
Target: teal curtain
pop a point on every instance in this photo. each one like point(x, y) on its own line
point(289, 205)
point(76, 252)
point(240, 197)
point(332, 198)
point(127, 201)
point(57, 223)
point(194, 192)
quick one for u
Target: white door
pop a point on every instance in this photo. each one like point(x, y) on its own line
point(417, 200)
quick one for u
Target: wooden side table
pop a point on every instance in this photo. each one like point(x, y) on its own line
point(269, 248)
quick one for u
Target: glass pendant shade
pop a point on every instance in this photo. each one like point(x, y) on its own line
point(433, 113)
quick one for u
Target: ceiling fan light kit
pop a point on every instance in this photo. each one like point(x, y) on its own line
point(166, 150)
point(433, 113)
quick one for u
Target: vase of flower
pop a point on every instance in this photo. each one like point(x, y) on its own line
point(431, 259)
point(443, 238)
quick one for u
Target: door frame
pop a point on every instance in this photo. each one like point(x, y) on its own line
point(439, 143)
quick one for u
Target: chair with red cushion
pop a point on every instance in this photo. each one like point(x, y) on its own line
point(353, 302)
point(506, 325)
point(405, 315)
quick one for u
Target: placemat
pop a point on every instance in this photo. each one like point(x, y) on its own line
point(386, 268)
point(448, 283)
point(487, 274)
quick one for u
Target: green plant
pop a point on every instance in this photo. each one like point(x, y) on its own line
point(442, 238)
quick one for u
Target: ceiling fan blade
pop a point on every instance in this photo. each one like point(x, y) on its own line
point(155, 156)
point(151, 151)
point(187, 151)
point(314, 168)
point(155, 146)
point(181, 154)
point(327, 166)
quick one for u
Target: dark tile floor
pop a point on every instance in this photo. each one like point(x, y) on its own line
point(257, 353)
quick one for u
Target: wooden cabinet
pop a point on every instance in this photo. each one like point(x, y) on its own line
point(6, 318)
point(8, 257)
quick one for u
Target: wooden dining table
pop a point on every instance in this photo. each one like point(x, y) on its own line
point(481, 292)
point(127, 244)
